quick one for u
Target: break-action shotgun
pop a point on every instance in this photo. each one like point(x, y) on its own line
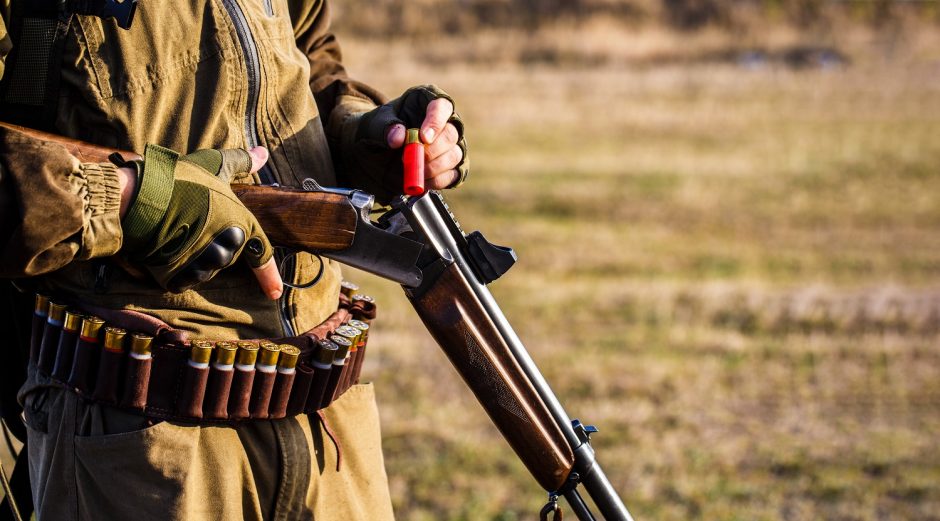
point(444, 272)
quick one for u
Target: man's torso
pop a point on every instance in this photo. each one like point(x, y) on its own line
point(191, 75)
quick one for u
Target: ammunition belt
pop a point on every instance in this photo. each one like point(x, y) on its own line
point(135, 362)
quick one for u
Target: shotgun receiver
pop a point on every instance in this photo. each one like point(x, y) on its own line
point(444, 272)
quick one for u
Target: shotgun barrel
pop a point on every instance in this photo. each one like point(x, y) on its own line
point(459, 311)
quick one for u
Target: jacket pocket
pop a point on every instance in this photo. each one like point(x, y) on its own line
point(115, 472)
point(167, 471)
point(161, 47)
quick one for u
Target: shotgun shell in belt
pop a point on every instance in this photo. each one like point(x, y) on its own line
point(201, 353)
point(225, 353)
point(268, 355)
point(343, 344)
point(347, 330)
point(56, 313)
point(73, 321)
point(348, 288)
point(352, 334)
point(140, 346)
point(91, 327)
point(114, 339)
point(42, 306)
point(288, 359)
point(247, 354)
point(361, 326)
point(364, 298)
point(326, 352)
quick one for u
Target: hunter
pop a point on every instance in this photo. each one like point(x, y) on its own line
point(211, 93)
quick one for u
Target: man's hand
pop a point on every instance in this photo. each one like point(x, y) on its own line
point(372, 142)
point(442, 153)
point(194, 226)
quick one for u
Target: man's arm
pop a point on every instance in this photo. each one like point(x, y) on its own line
point(331, 86)
point(365, 130)
point(54, 209)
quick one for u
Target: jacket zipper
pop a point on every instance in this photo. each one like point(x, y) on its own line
point(253, 69)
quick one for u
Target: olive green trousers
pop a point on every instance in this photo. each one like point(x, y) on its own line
point(92, 462)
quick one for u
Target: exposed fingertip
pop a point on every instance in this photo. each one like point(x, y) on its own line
point(269, 279)
point(396, 136)
point(259, 156)
point(259, 152)
point(428, 135)
point(274, 286)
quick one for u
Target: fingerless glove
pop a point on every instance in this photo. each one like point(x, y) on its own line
point(185, 224)
point(366, 153)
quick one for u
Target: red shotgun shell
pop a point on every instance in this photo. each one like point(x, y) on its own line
point(413, 161)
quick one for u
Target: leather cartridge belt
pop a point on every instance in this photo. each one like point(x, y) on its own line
point(136, 362)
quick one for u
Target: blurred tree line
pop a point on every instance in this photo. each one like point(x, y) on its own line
point(411, 17)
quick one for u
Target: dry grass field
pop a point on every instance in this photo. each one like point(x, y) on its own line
point(729, 262)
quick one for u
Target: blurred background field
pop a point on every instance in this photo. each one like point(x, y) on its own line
point(728, 222)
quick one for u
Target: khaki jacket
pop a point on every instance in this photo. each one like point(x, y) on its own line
point(188, 75)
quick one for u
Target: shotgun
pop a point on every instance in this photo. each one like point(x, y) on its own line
point(444, 273)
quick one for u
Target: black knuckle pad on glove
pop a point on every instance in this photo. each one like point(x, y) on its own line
point(217, 255)
point(258, 251)
point(255, 247)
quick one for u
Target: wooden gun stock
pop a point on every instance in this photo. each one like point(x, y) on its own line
point(84, 151)
point(463, 329)
point(301, 220)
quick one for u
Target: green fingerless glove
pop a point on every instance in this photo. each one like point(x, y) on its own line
point(185, 224)
point(366, 153)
